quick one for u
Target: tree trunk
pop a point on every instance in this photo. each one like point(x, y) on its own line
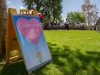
point(3, 24)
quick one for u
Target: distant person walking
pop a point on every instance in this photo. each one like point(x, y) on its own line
point(66, 25)
point(98, 25)
point(47, 24)
point(94, 26)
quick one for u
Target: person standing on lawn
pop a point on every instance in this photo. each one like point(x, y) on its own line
point(98, 25)
point(66, 25)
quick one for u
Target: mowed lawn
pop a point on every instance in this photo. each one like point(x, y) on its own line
point(74, 52)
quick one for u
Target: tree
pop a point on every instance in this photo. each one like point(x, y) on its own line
point(75, 17)
point(3, 23)
point(94, 14)
point(51, 9)
point(90, 12)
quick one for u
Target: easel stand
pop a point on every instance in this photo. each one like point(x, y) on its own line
point(25, 34)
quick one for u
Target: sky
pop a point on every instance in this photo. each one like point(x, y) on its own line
point(68, 6)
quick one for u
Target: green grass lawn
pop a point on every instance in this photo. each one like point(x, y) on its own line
point(74, 52)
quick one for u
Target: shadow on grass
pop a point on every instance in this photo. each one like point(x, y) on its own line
point(67, 61)
point(14, 68)
point(76, 63)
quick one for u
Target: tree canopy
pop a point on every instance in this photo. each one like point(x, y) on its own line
point(75, 17)
point(51, 9)
point(90, 12)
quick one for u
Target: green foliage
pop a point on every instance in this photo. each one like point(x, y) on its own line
point(51, 9)
point(75, 17)
point(74, 52)
point(15, 53)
